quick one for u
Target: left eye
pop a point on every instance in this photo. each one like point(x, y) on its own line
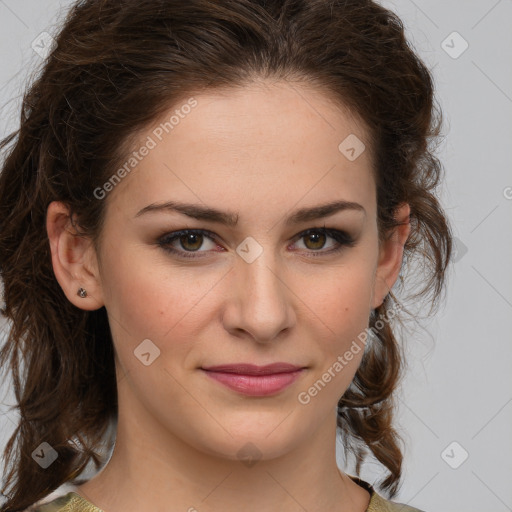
point(191, 240)
point(315, 239)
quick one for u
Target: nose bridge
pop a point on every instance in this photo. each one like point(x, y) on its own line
point(262, 295)
point(262, 276)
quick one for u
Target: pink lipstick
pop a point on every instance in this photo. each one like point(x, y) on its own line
point(255, 380)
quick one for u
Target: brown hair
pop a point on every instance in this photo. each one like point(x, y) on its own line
point(117, 66)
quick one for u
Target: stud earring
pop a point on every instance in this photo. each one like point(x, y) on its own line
point(81, 293)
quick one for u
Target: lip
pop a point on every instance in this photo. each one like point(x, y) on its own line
point(253, 380)
point(252, 369)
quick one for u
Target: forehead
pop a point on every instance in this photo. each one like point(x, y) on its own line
point(276, 142)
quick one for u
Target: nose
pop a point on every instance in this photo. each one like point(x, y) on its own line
point(259, 302)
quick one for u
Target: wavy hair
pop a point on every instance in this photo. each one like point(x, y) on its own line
point(120, 64)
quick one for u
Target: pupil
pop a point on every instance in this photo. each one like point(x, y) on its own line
point(189, 238)
point(315, 238)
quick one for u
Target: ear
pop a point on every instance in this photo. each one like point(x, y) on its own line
point(390, 256)
point(74, 259)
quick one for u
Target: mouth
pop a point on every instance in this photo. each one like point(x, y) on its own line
point(252, 380)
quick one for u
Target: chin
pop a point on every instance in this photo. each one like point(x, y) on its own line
point(251, 441)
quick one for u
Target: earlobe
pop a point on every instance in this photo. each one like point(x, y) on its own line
point(73, 259)
point(390, 256)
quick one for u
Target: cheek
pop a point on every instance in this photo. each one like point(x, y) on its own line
point(156, 301)
point(340, 308)
point(340, 298)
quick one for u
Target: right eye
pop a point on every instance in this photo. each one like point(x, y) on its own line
point(190, 240)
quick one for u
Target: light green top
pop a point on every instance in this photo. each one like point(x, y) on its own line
point(74, 502)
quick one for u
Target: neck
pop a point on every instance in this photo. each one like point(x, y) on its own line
point(152, 468)
point(173, 476)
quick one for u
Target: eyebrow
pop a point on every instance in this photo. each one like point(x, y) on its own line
point(230, 219)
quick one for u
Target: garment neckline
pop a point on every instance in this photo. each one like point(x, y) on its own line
point(362, 483)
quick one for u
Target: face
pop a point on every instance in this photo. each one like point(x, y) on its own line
point(276, 284)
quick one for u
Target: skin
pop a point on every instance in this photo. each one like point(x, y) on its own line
point(262, 151)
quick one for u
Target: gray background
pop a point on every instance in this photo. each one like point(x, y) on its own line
point(458, 386)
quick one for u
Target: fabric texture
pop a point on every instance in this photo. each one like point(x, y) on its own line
point(74, 502)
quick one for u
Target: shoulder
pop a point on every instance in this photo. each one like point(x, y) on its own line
point(70, 502)
point(380, 504)
point(73, 502)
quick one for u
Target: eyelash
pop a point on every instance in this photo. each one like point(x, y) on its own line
point(341, 237)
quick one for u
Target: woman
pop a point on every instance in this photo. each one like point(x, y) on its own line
point(203, 215)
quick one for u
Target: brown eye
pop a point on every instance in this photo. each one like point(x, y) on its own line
point(315, 240)
point(187, 242)
point(194, 243)
point(191, 241)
